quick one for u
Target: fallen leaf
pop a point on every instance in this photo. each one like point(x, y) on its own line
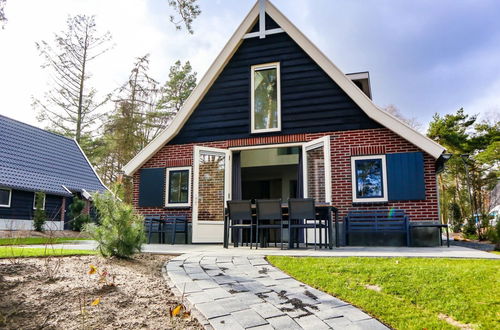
point(175, 311)
point(96, 302)
point(93, 269)
point(186, 315)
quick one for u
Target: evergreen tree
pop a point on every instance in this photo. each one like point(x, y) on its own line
point(71, 106)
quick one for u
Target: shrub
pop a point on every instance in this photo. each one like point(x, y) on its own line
point(40, 217)
point(470, 229)
point(121, 230)
point(78, 220)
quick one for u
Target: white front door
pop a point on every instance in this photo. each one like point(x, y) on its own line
point(211, 190)
point(317, 170)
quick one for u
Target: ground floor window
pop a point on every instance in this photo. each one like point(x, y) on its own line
point(369, 179)
point(5, 197)
point(43, 200)
point(178, 192)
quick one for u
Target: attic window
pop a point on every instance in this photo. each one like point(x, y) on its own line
point(266, 100)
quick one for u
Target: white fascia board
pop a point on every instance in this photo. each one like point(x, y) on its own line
point(196, 95)
point(338, 76)
point(360, 98)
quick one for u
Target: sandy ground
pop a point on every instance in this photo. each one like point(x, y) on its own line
point(32, 298)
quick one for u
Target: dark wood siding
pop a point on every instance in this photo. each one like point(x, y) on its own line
point(310, 100)
point(21, 206)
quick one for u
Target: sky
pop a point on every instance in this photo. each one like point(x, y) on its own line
point(424, 57)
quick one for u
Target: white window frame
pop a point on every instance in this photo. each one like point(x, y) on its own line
point(274, 65)
point(167, 190)
point(34, 201)
point(354, 182)
point(10, 197)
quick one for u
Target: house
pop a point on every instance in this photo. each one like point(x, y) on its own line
point(33, 160)
point(274, 117)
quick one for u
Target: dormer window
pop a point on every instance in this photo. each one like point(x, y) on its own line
point(266, 100)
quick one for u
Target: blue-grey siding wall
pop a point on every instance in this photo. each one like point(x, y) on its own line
point(310, 100)
point(21, 206)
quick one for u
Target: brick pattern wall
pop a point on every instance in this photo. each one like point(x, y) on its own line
point(316, 174)
point(344, 144)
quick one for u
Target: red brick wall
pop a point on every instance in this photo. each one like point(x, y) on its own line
point(344, 144)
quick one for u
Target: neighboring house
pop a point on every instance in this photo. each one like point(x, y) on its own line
point(33, 160)
point(274, 118)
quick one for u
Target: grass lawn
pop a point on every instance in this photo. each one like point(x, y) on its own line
point(495, 252)
point(21, 252)
point(408, 293)
point(36, 240)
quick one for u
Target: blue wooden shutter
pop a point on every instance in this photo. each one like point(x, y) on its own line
point(405, 176)
point(152, 187)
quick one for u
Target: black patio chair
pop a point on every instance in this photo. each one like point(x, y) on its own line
point(240, 218)
point(302, 215)
point(268, 212)
point(152, 225)
point(175, 224)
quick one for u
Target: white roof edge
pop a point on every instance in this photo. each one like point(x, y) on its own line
point(380, 116)
point(196, 95)
point(90, 164)
point(360, 98)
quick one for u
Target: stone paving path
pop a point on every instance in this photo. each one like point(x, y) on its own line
point(246, 292)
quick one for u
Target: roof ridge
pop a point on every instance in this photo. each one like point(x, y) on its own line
point(38, 128)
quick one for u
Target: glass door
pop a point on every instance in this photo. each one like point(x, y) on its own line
point(317, 170)
point(211, 190)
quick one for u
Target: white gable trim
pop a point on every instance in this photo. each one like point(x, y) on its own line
point(340, 78)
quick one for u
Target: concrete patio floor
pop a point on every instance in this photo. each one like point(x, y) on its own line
point(350, 251)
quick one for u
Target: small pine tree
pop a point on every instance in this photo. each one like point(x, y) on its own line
point(40, 216)
point(121, 230)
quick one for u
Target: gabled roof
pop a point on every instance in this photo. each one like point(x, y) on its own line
point(363, 101)
point(36, 160)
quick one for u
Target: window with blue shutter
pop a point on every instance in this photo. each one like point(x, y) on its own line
point(152, 187)
point(405, 176)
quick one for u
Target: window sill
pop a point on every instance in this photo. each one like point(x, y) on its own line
point(177, 207)
point(368, 203)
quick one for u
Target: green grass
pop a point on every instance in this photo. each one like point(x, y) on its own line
point(37, 240)
point(495, 252)
point(21, 252)
point(414, 291)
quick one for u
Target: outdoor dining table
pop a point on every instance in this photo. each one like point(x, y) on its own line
point(323, 211)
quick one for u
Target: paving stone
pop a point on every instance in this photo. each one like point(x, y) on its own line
point(338, 323)
point(332, 301)
point(263, 327)
point(292, 311)
point(272, 297)
point(326, 312)
point(199, 276)
point(233, 288)
point(255, 287)
point(267, 281)
point(232, 304)
point(188, 287)
point(283, 322)
point(311, 322)
point(248, 298)
point(267, 310)
point(207, 284)
point(225, 323)
point(217, 293)
point(214, 272)
point(223, 279)
point(249, 318)
point(352, 313)
point(211, 310)
point(198, 298)
point(302, 297)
